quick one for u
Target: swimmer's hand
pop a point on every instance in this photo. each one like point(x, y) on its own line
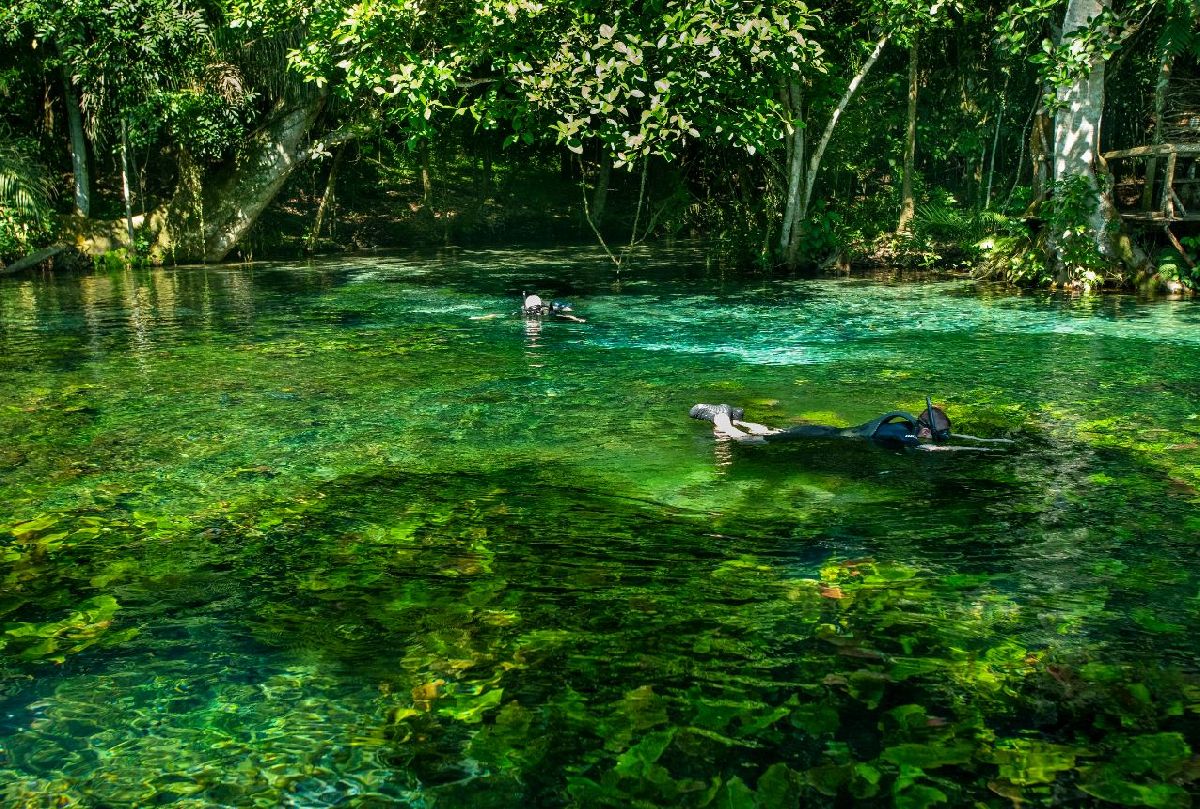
point(486, 317)
point(733, 434)
point(953, 448)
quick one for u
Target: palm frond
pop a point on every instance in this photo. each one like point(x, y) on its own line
point(946, 221)
point(24, 185)
point(1180, 32)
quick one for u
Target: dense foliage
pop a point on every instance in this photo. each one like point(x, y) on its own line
point(730, 120)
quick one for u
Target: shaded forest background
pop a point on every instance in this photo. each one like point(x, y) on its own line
point(897, 132)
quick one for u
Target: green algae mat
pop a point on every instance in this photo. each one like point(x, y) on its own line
point(327, 534)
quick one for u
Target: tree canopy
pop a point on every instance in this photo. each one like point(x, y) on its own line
point(748, 117)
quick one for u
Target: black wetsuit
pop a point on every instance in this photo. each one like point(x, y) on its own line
point(894, 430)
point(552, 309)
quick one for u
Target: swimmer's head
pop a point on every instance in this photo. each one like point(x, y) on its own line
point(933, 423)
point(533, 302)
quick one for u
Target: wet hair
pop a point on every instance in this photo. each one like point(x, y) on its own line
point(707, 412)
point(940, 429)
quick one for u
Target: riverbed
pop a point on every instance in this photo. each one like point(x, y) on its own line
point(354, 533)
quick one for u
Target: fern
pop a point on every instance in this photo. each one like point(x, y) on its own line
point(1179, 35)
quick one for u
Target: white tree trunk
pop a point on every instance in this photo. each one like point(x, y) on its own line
point(789, 236)
point(79, 164)
point(815, 163)
point(1077, 124)
point(125, 181)
point(234, 201)
point(908, 205)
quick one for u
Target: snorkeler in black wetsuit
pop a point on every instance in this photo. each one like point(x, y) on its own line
point(533, 308)
point(895, 430)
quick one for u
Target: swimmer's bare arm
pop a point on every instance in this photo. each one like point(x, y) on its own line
point(756, 429)
point(723, 425)
point(952, 448)
point(982, 440)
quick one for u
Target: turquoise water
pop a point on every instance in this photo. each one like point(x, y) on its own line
point(328, 535)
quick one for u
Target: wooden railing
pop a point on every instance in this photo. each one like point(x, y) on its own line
point(1173, 192)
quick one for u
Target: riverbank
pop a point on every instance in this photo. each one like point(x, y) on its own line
point(372, 205)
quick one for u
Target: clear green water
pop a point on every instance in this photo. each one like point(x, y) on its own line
point(310, 535)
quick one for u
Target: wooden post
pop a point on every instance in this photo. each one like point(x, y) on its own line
point(1160, 107)
point(1168, 206)
point(1148, 190)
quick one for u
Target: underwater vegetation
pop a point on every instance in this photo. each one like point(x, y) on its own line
point(311, 536)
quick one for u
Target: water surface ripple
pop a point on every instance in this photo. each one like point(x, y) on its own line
point(351, 533)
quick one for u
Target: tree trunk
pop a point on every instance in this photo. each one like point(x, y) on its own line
point(125, 181)
point(789, 234)
point(1076, 144)
point(1041, 152)
point(79, 164)
point(233, 200)
point(815, 163)
point(907, 203)
point(326, 198)
point(426, 182)
point(600, 193)
point(488, 170)
point(203, 221)
point(987, 201)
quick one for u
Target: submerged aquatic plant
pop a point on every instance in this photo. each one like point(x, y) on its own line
point(310, 536)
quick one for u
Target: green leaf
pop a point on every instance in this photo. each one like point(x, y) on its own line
point(928, 756)
point(816, 718)
point(829, 778)
point(1156, 753)
point(471, 709)
point(867, 686)
point(1145, 618)
point(635, 762)
point(751, 725)
point(34, 526)
point(919, 796)
point(643, 708)
point(780, 785)
point(734, 794)
point(905, 667)
point(864, 782)
point(1029, 761)
point(1108, 783)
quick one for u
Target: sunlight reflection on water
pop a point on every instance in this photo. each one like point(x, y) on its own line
point(310, 535)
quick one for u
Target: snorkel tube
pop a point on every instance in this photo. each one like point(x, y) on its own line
point(934, 433)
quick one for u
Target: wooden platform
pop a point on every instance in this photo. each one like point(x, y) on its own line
point(1161, 202)
point(1157, 217)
